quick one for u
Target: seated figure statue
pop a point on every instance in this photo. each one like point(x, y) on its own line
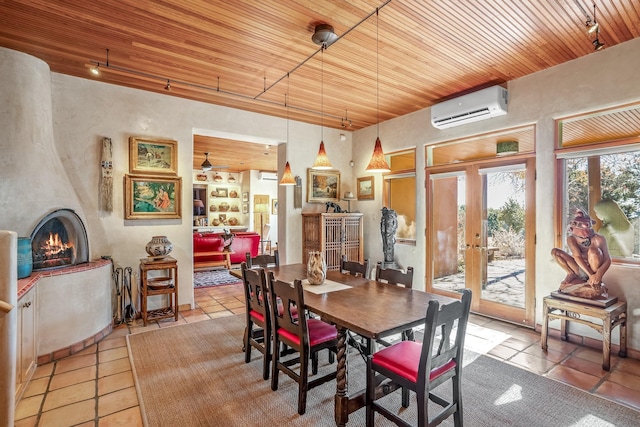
point(616, 228)
point(587, 261)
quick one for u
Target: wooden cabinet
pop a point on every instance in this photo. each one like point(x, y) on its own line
point(164, 284)
point(26, 349)
point(334, 234)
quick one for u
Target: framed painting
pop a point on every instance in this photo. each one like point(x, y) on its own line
point(245, 197)
point(152, 197)
point(274, 206)
point(323, 186)
point(366, 188)
point(221, 192)
point(245, 208)
point(152, 156)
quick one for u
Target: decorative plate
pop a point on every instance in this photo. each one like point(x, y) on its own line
point(217, 178)
point(233, 194)
point(232, 220)
point(201, 177)
point(235, 208)
point(232, 180)
point(214, 193)
point(213, 208)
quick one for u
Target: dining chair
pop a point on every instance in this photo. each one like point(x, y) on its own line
point(257, 333)
point(422, 367)
point(354, 267)
point(264, 260)
point(397, 277)
point(306, 336)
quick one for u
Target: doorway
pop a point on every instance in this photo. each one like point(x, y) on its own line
point(482, 229)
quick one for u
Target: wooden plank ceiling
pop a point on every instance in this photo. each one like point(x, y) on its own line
point(239, 53)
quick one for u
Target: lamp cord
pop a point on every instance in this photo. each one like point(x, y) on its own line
point(377, 75)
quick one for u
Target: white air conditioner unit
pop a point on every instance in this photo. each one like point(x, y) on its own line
point(475, 106)
point(268, 176)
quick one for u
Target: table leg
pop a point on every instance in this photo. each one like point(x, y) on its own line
point(606, 343)
point(341, 398)
point(564, 333)
point(544, 333)
point(623, 337)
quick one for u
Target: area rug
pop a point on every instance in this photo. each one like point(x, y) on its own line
point(195, 375)
point(207, 278)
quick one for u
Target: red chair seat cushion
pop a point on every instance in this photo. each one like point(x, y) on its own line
point(319, 332)
point(257, 316)
point(403, 359)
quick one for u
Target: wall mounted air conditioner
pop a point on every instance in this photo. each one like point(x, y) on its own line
point(268, 176)
point(475, 106)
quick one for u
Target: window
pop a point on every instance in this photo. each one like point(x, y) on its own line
point(400, 193)
point(606, 183)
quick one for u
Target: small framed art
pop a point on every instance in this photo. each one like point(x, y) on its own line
point(152, 156)
point(366, 188)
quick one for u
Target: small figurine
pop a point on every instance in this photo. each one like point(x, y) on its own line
point(336, 207)
point(588, 261)
point(227, 236)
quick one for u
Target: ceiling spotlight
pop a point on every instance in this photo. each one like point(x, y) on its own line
point(324, 35)
point(95, 70)
point(168, 86)
point(593, 27)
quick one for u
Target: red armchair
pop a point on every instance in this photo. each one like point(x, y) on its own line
point(243, 242)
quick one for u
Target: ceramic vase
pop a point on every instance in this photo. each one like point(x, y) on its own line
point(159, 246)
point(25, 258)
point(316, 268)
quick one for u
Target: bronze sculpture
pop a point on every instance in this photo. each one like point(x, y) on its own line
point(388, 226)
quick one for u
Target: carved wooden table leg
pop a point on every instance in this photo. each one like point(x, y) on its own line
point(341, 399)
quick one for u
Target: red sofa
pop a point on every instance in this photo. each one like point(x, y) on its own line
point(243, 242)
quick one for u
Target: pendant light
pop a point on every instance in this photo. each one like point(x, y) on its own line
point(322, 160)
point(287, 176)
point(378, 163)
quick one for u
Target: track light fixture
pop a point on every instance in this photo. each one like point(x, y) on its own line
point(346, 121)
point(168, 85)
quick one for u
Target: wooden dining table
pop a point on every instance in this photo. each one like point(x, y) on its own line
point(366, 307)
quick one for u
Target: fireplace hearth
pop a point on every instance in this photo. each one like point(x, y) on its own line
point(59, 240)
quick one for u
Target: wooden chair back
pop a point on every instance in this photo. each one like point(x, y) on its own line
point(263, 261)
point(354, 267)
point(394, 276)
point(258, 315)
point(440, 360)
point(293, 329)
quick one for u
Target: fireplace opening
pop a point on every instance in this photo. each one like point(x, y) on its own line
point(59, 240)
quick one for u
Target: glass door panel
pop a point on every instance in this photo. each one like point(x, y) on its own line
point(448, 192)
point(503, 235)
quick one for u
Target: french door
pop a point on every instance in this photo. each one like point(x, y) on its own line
point(481, 231)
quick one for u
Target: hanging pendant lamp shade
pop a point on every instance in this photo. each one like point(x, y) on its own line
point(322, 161)
point(287, 176)
point(378, 162)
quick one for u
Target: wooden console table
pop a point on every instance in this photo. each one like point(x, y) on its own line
point(571, 311)
point(226, 262)
point(163, 285)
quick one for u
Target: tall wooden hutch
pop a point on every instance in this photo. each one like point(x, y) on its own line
point(334, 234)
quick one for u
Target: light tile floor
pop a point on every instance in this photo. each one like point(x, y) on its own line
point(95, 387)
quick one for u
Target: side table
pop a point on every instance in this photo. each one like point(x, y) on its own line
point(571, 311)
point(166, 284)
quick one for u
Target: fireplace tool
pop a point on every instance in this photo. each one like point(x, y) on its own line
point(119, 301)
point(129, 311)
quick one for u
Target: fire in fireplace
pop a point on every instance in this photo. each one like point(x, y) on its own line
point(59, 240)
